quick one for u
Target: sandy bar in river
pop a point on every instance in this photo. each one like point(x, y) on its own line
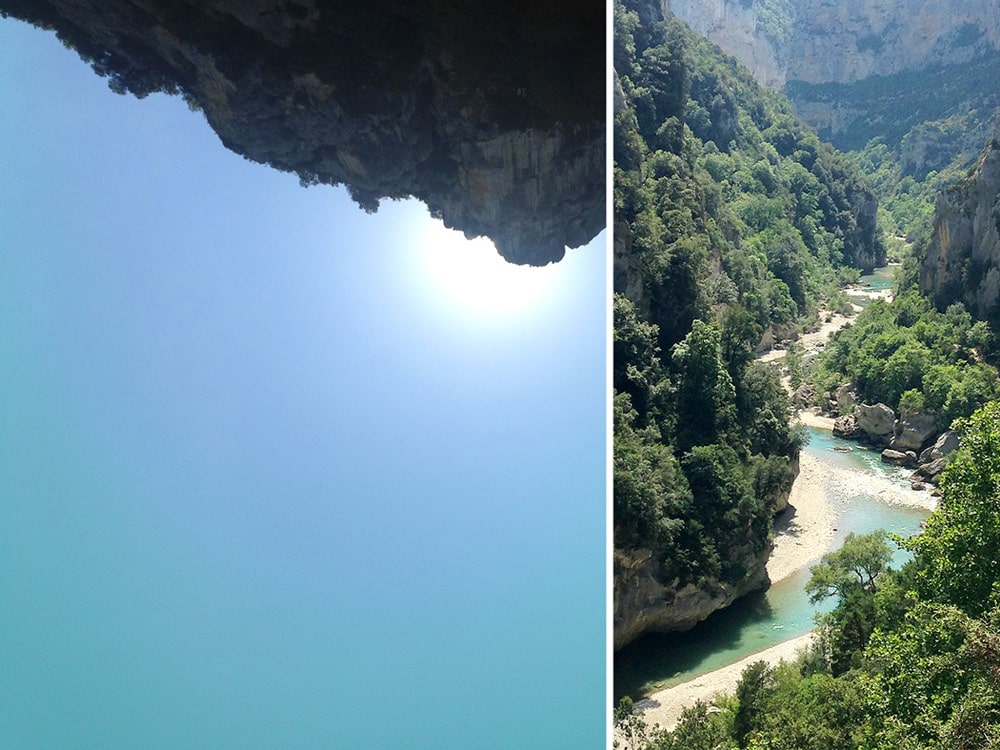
point(803, 533)
point(664, 707)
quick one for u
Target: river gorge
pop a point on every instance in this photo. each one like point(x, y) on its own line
point(841, 488)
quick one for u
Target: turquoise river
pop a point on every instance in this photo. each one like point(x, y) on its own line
point(782, 612)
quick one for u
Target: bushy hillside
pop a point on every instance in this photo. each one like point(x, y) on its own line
point(732, 223)
point(908, 659)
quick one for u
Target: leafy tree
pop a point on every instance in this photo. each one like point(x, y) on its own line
point(960, 548)
point(851, 574)
point(705, 393)
point(753, 692)
point(855, 566)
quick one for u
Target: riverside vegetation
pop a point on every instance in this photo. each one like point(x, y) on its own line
point(732, 222)
point(709, 172)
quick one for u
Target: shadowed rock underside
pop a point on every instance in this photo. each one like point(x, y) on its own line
point(491, 114)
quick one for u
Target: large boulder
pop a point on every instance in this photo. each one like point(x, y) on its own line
point(878, 421)
point(945, 444)
point(847, 427)
point(912, 430)
point(907, 460)
point(803, 395)
point(846, 398)
point(931, 471)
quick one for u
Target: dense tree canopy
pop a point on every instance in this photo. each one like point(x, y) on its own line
point(925, 674)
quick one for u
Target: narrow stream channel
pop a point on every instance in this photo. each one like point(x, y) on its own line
point(862, 491)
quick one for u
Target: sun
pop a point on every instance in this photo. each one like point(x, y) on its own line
point(470, 276)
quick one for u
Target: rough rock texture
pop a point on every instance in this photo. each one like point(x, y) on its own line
point(840, 41)
point(846, 397)
point(907, 460)
point(912, 431)
point(877, 421)
point(644, 603)
point(736, 28)
point(813, 43)
point(930, 471)
point(492, 115)
point(847, 427)
point(781, 500)
point(946, 443)
point(863, 247)
point(962, 260)
point(803, 395)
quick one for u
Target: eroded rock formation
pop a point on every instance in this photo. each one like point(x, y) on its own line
point(816, 49)
point(645, 603)
point(491, 114)
point(962, 260)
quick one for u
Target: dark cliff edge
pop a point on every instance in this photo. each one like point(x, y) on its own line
point(492, 115)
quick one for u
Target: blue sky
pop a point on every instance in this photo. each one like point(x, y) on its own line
point(272, 474)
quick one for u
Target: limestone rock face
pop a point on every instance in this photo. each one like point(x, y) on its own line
point(962, 260)
point(645, 603)
point(878, 420)
point(842, 41)
point(781, 500)
point(736, 28)
point(807, 46)
point(492, 115)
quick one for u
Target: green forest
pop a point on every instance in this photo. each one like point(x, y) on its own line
point(735, 226)
point(732, 223)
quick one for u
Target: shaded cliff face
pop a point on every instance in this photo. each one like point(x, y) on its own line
point(493, 116)
point(646, 603)
point(962, 260)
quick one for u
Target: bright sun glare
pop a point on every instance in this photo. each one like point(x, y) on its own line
point(472, 277)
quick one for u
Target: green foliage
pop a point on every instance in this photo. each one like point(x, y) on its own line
point(630, 725)
point(850, 574)
point(960, 548)
point(731, 219)
point(907, 348)
point(722, 197)
point(753, 692)
point(854, 567)
point(915, 654)
point(698, 729)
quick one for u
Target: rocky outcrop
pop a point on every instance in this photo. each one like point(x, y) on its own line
point(832, 41)
point(930, 471)
point(962, 259)
point(645, 603)
point(781, 498)
point(946, 444)
point(934, 459)
point(912, 431)
point(877, 421)
point(846, 396)
point(824, 53)
point(847, 427)
point(907, 460)
point(646, 600)
point(829, 41)
point(492, 115)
